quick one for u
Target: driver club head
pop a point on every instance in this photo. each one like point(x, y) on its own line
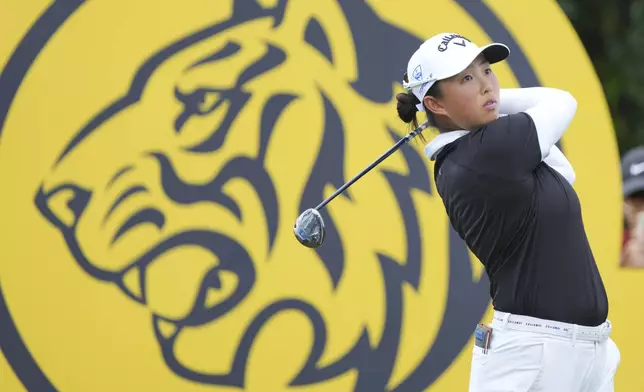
point(309, 228)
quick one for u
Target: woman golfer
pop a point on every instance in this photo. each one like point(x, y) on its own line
point(507, 190)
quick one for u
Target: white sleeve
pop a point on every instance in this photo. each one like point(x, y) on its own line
point(557, 160)
point(551, 110)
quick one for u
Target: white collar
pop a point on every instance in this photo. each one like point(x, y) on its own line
point(435, 146)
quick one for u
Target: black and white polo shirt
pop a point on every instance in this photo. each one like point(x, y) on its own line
point(511, 199)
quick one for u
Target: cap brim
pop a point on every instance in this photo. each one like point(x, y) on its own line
point(633, 185)
point(495, 52)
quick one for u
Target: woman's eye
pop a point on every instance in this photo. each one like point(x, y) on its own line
point(467, 78)
point(488, 71)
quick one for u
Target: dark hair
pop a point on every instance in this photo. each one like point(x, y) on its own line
point(407, 102)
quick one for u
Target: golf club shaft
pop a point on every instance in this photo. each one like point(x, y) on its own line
point(384, 156)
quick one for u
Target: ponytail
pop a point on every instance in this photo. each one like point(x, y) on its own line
point(407, 105)
point(406, 108)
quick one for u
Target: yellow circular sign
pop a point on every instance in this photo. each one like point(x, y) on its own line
point(154, 157)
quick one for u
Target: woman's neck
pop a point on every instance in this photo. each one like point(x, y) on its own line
point(445, 124)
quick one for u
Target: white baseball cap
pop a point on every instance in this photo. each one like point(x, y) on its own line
point(443, 56)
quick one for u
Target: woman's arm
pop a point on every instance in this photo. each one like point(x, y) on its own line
point(551, 110)
point(557, 160)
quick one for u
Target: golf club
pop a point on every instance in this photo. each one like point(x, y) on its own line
point(309, 226)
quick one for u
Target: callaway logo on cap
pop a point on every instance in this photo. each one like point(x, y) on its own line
point(443, 56)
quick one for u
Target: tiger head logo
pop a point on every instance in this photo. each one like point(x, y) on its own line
point(182, 193)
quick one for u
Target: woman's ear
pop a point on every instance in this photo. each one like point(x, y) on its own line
point(435, 105)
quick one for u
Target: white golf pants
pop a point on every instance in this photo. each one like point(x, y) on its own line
point(530, 354)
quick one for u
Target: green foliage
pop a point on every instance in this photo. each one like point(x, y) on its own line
point(613, 34)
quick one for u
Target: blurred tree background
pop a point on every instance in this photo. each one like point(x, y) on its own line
point(613, 34)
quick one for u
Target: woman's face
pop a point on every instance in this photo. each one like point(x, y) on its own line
point(471, 98)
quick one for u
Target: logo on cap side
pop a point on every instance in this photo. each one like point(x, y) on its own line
point(444, 45)
point(418, 73)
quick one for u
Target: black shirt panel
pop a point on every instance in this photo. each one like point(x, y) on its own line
point(523, 221)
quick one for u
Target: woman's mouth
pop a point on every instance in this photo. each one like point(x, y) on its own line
point(490, 105)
